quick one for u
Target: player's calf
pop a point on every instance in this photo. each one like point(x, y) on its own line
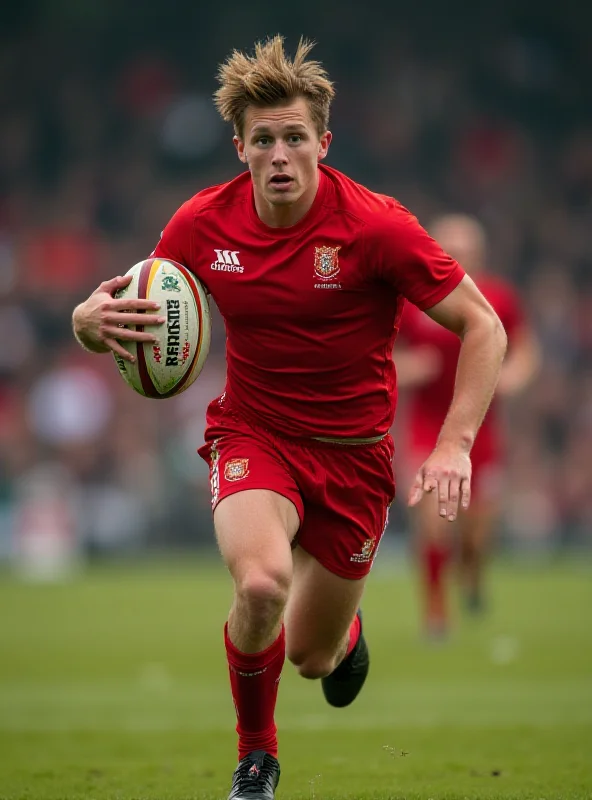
point(344, 684)
point(314, 665)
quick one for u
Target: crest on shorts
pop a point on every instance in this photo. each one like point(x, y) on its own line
point(366, 553)
point(236, 469)
point(326, 263)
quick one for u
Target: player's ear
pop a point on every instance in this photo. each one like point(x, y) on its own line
point(324, 143)
point(240, 149)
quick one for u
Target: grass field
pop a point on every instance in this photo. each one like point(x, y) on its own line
point(114, 685)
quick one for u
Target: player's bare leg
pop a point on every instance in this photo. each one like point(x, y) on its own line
point(433, 546)
point(476, 528)
point(254, 529)
point(323, 630)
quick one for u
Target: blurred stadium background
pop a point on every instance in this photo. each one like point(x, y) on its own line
point(113, 684)
point(107, 126)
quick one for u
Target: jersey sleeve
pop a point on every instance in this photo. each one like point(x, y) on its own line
point(409, 259)
point(175, 240)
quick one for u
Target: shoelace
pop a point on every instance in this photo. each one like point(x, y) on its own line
point(251, 781)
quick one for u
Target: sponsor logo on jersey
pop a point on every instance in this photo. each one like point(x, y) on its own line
point(227, 261)
point(236, 469)
point(326, 267)
point(365, 554)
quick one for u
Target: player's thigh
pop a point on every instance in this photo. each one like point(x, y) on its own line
point(338, 542)
point(257, 504)
point(254, 529)
point(320, 608)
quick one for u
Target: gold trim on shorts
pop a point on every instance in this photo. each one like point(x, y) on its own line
point(349, 441)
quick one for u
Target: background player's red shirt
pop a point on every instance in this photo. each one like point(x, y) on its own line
point(312, 310)
point(428, 404)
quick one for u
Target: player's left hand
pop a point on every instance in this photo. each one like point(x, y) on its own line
point(447, 471)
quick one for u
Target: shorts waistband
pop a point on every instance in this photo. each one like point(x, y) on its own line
point(349, 441)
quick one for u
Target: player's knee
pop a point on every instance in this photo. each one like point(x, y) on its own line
point(312, 665)
point(263, 592)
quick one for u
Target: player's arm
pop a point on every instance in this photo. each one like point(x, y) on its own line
point(99, 322)
point(467, 313)
point(521, 364)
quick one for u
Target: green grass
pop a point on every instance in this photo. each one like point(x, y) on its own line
point(114, 686)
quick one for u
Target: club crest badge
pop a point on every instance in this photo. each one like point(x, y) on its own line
point(236, 469)
point(366, 553)
point(326, 262)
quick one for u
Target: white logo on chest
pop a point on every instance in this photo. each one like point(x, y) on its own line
point(227, 261)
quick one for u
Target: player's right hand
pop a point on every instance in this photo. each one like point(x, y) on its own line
point(100, 322)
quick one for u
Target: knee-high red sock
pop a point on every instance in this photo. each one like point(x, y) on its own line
point(434, 558)
point(254, 679)
point(354, 635)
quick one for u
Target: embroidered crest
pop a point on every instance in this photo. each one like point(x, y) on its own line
point(326, 263)
point(236, 469)
point(365, 553)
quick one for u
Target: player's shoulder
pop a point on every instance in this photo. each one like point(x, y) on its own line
point(374, 209)
point(218, 198)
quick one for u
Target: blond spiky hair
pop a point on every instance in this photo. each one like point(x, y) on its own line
point(269, 78)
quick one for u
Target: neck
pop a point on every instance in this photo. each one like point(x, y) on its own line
point(284, 216)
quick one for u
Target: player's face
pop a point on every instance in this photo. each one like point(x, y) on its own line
point(282, 148)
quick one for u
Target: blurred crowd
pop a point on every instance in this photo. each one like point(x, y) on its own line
point(108, 126)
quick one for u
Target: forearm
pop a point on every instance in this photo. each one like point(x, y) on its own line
point(479, 364)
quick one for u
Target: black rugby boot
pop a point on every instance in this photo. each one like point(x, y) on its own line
point(343, 685)
point(256, 777)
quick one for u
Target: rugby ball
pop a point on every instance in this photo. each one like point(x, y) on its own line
point(171, 364)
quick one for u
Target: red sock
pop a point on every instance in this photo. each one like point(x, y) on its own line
point(254, 679)
point(354, 635)
point(434, 560)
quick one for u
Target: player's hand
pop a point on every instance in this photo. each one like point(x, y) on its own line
point(100, 322)
point(448, 472)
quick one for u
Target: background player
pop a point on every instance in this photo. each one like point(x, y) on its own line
point(299, 445)
point(426, 356)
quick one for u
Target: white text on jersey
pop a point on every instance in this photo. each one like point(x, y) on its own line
point(227, 261)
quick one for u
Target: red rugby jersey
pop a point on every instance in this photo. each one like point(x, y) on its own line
point(429, 403)
point(311, 310)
